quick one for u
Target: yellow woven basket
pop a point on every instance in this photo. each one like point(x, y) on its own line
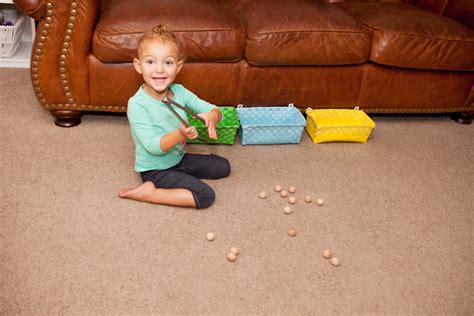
point(332, 125)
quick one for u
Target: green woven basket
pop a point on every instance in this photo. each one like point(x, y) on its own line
point(226, 128)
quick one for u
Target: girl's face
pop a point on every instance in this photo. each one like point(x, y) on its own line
point(159, 64)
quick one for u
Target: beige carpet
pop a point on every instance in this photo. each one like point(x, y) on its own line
point(398, 215)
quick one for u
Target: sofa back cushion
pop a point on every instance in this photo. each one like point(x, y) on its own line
point(208, 33)
point(300, 32)
point(460, 10)
point(397, 1)
point(407, 36)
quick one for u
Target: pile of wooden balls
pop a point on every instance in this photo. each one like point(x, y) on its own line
point(291, 199)
point(232, 255)
point(327, 255)
point(234, 251)
point(285, 193)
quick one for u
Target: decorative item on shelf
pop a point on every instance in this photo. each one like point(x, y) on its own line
point(270, 125)
point(15, 52)
point(332, 125)
point(9, 16)
point(10, 34)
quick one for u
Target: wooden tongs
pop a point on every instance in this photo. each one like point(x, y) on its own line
point(169, 102)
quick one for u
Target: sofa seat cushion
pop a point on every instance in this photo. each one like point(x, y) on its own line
point(207, 31)
point(406, 36)
point(300, 32)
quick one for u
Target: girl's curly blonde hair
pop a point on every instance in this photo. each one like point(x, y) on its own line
point(161, 33)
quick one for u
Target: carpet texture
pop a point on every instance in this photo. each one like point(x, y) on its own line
point(398, 214)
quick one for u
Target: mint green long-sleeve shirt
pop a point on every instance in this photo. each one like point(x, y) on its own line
point(151, 119)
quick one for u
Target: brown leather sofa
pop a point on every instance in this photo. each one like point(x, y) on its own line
point(410, 56)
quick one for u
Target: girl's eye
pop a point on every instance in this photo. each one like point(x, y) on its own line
point(149, 61)
point(169, 62)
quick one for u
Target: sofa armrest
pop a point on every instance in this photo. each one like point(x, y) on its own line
point(33, 8)
point(60, 55)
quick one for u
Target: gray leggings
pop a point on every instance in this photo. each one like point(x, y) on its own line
point(187, 175)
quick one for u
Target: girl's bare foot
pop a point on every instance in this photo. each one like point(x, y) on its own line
point(140, 193)
point(147, 192)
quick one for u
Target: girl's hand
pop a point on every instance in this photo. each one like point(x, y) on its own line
point(188, 132)
point(211, 119)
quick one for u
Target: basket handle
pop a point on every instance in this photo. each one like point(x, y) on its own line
point(239, 106)
point(308, 109)
point(356, 108)
point(291, 105)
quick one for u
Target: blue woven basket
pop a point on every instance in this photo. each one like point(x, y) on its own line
point(270, 125)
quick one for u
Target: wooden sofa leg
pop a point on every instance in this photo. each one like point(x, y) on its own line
point(462, 117)
point(64, 118)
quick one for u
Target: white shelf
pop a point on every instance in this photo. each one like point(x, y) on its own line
point(21, 59)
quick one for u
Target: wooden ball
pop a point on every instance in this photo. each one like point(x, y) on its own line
point(210, 236)
point(292, 189)
point(231, 257)
point(327, 253)
point(335, 262)
point(277, 188)
point(284, 193)
point(262, 195)
point(287, 210)
point(292, 232)
point(234, 250)
point(292, 200)
point(320, 202)
point(308, 199)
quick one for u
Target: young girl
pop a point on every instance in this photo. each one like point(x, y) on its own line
point(170, 175)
